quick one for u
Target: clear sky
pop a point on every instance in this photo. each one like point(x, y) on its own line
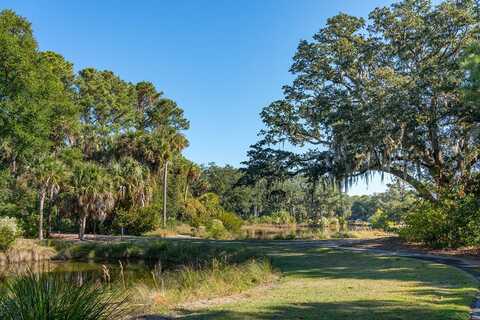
point(221, 60)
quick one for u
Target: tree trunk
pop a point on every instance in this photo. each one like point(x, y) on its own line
point(83, 224)
point(165, 186)
point(43, 194)
point(14, 165)
point(49, 221)
point(185, 193)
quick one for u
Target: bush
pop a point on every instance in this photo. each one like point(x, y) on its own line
point(453, 222)
point(283, 217)
point(50, 296)
point(323, 223)
point(334, 224)
point(380, 220)
point(231, 221)
point(139, 221)
point(343, 224)
point(9, 232)
point(195, 212)
point(216, 230)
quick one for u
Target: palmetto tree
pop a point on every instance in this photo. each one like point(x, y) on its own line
point(133, 182)
point(94, 192)
point(174, 142)
point(193, 174)
point(49, 174)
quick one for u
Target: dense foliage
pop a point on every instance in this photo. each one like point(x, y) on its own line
point(9, 232)
point(87, 150)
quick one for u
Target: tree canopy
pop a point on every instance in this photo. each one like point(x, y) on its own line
point(385, 94)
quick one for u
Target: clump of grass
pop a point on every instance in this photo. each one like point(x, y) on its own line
point(370, 234)
point(162, 233)
point(180, 229)
point(172, 288)
point(24, 250)
point(49, 296)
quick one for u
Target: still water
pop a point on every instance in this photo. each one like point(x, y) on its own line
point(125, 272)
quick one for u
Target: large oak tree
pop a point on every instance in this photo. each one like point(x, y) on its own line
point(385, 94)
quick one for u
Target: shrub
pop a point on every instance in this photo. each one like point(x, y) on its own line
point(231, 221)
point(9, 232)
point(216, 230)
point(50, 296)
point(380, 220)
point(343, 224)
point(453, 222)
point(334, 224)
point(282, 217)
point(426, 224)
point(323, 223)
point(195, 212)
point(138, 221)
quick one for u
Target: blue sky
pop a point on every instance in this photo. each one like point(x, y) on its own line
point(221, 60)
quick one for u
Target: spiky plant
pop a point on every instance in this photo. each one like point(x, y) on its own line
point(48, 296)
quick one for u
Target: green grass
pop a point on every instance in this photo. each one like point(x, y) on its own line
point(329, 285)
point(185, 271)
point(51, 296)
point(318, 284)
point(304, 232)
point(219, 279)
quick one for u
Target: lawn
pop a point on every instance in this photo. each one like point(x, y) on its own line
point(329, 284)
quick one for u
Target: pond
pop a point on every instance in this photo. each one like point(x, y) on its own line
point(127, 272)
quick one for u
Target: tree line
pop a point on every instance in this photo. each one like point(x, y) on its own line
point(83, 145)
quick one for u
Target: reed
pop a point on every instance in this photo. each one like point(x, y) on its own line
point(49, 296)
point(24, 250)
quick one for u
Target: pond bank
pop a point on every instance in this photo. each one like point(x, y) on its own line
point(26, 250)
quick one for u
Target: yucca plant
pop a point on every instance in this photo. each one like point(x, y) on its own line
point(48, 296)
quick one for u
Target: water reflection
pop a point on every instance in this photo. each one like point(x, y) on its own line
point(128, 273)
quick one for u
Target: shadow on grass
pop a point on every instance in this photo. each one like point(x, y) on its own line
point(434, 291)
point(301, 260)
point(361, 310)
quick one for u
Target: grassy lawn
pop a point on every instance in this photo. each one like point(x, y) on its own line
point(327, 284)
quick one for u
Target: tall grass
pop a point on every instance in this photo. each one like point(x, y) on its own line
point(24, 250)
point(183, 272)
point(48, 296)
point(173, 288)
point(306, 232)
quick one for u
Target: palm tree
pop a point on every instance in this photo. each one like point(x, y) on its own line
point(192, 175)
point(133, 182)
point(48, 174)
point(93, 189)
point(174, 144)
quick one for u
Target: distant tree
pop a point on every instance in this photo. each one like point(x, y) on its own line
point(363, 207)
